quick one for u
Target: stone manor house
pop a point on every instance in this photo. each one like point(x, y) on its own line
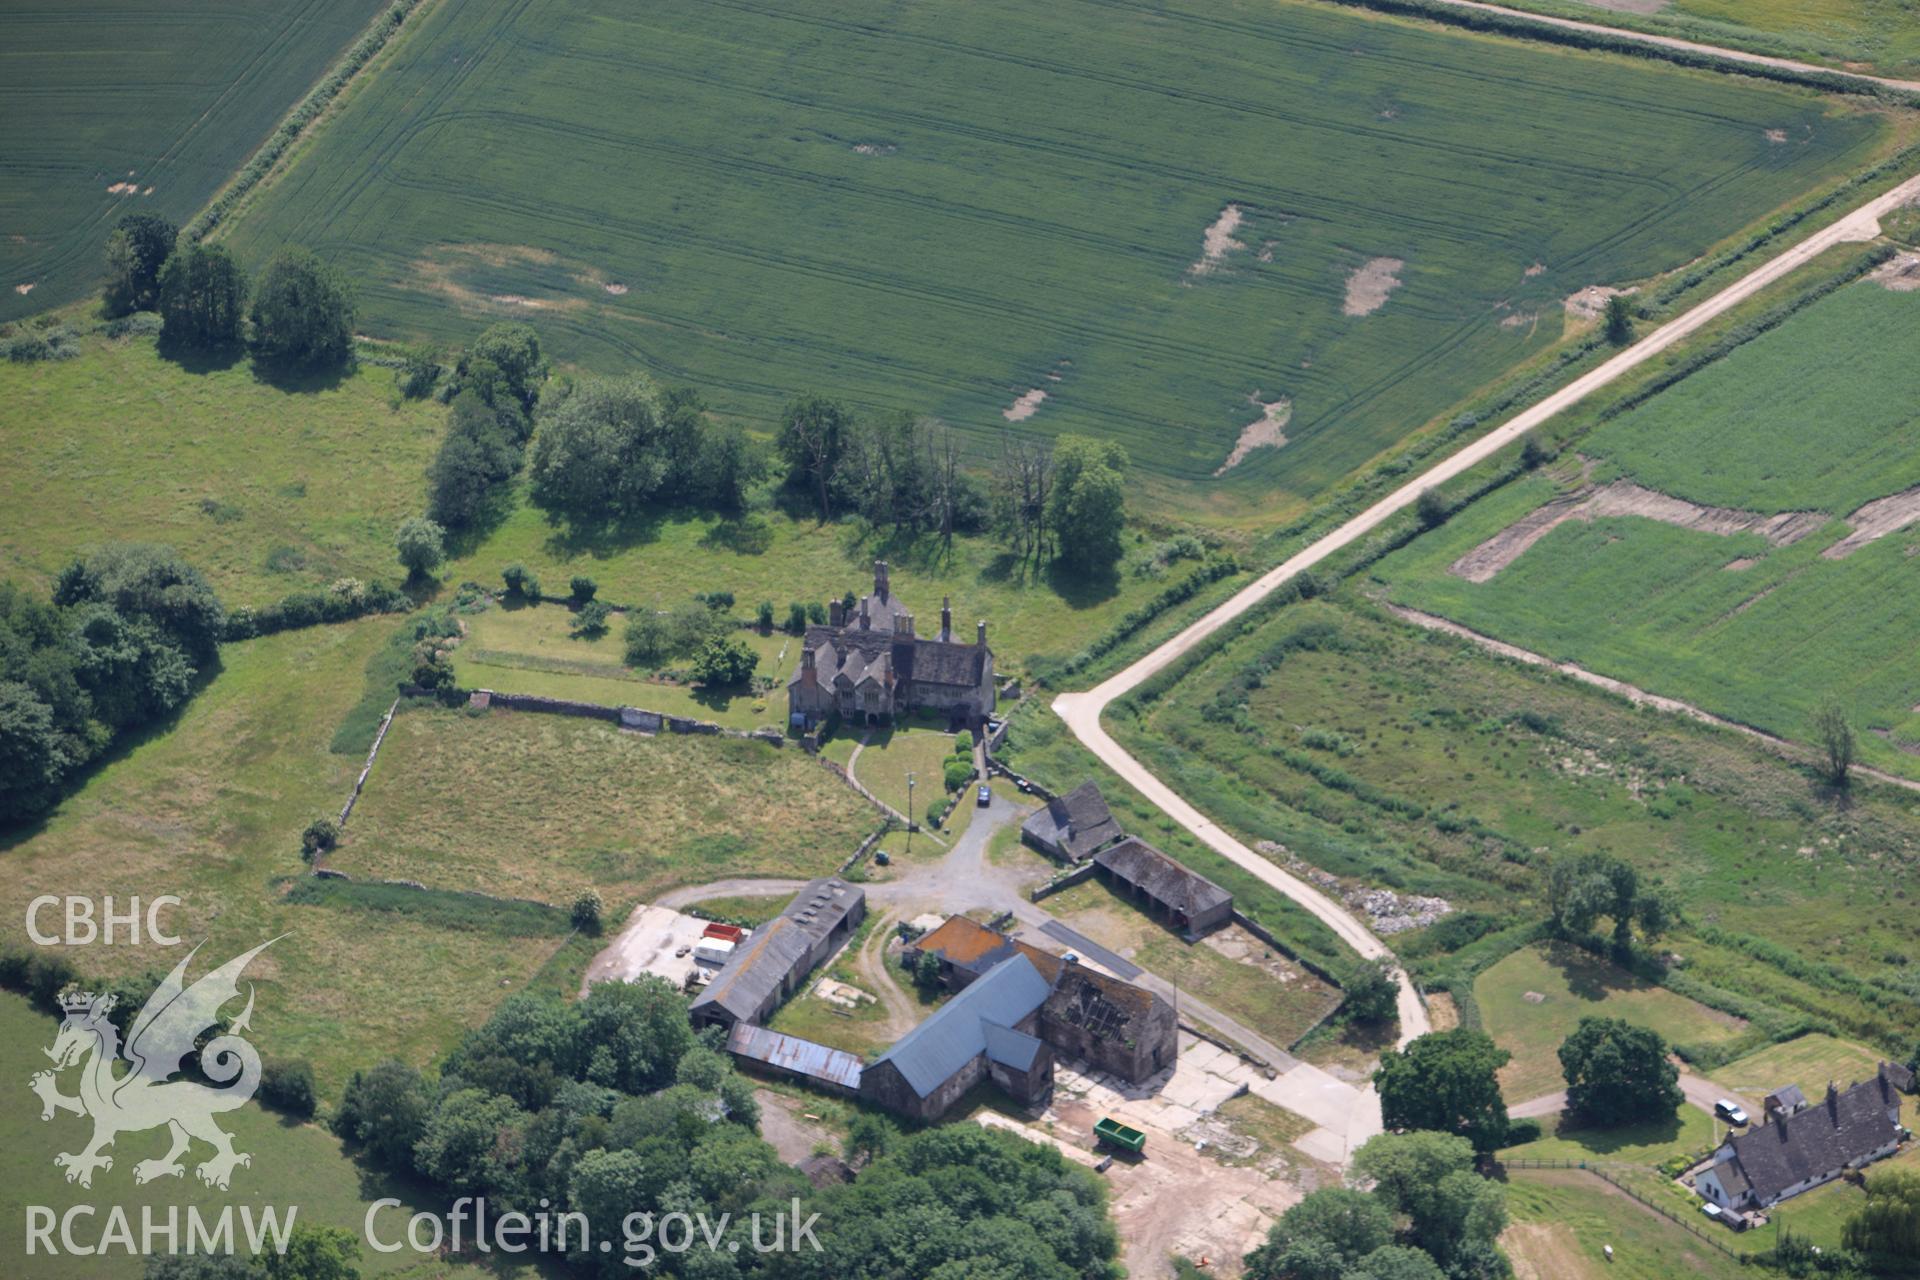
point(871, 665)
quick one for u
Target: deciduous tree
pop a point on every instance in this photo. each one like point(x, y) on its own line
point(1446, 1081)
point(1618, 1073)
point(137, 248)
point(202, 297)
point(303, 312)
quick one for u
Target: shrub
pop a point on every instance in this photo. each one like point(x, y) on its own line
point(817, 614)
point(422, 546)
point(957, 773)
point(286, 1085)
point(582, 588)
point(587, 909)
point(417, 374)
point(1519, 1131)
point(1431, 508)
point(763, 616)
point(1536, 452)
point(320, 837)
point(718, 601)
point(1372, 993)
point(796, 618)
point(520, 583)
point(724, 663)
point(590, 623)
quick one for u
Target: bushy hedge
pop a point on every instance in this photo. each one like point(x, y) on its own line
point(303, 115)
point(346, 599)
point(1050, 672)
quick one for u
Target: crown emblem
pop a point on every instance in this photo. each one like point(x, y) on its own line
point(82, 1001)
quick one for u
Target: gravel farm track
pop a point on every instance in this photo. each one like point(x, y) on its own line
point(1082, 711)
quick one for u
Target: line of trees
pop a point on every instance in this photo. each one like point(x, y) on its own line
point(1063, 501)
point(118, 645)
point(301, 315)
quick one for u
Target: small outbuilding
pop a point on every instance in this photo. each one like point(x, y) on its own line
point(1074, 826)
point(770, 966)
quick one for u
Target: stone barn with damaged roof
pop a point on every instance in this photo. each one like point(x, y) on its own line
point(1084, 1014)
point(771, 965)
point(872, 665)
point(1073, 827)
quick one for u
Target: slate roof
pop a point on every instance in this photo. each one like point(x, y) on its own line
point(760, 966)
point(1842, 1128)
point(1078, 823)
point(854, 653)
point(1010, 1048)
point(1139, 863)
point(944, 662)
point(1787, 1098)
point(1899, 1075)
point(756, 970)
point(956, 1033)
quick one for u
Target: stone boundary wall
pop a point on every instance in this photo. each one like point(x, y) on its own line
point(1066, 880)
point(360, 782)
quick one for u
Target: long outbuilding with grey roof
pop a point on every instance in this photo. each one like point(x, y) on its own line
point(771, 965)
point(1186, 900)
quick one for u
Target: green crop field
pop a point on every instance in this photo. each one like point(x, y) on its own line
point(1881, 36)
point(1817, 415)
point(542, 806)
point(210, 809)
point(165, 98)
point(1392, 757)
point(942, 210)
point(1811, 1061)
point(266, 490)
point(1563, 1218)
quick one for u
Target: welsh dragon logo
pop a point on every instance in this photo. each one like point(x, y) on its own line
point(145, 1097)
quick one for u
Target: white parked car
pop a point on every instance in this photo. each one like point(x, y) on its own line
point(1730, 1111)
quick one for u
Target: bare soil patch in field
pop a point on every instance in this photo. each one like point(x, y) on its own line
point(1268, 431)
point(1625, 498)
point(445, 270)
point(1876, 520)
point(1591, 302)
point(1368, 287)
point(1218, 241)
point(1776, 135)
point(23, 288)
point(1025, 407)
point(1629, 6)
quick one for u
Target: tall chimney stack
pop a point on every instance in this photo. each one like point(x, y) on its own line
point(880, 578)
point(983, 633)
point(866, 618)
point(906, 624)
point(946, 618)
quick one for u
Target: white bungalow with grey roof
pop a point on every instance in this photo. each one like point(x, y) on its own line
point(1798, 1151)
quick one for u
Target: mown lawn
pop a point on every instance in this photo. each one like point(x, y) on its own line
point(211, 810)
point(940, 212)
point(531, 649)
point(542, 806)
point(1576, 985)
point(296, 1167)
point(891, 754)
point(1395, 758)
point(1816, 415)
point(266, 490)
point(1690, 1130)
point(1810, 1061)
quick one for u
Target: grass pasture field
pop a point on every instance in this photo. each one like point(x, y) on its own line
point(542, 806)
point(210, 809)
point(1816, 415)
point(1269, 993)
point(1391, 757)
point(1563, 1218)
point(166, 99)
point(1575, 985)
point(266, 490)
point(942, 212)
point(295, 1166)
point(1875, 36)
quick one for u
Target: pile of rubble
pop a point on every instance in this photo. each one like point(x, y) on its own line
point(1388, 912)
